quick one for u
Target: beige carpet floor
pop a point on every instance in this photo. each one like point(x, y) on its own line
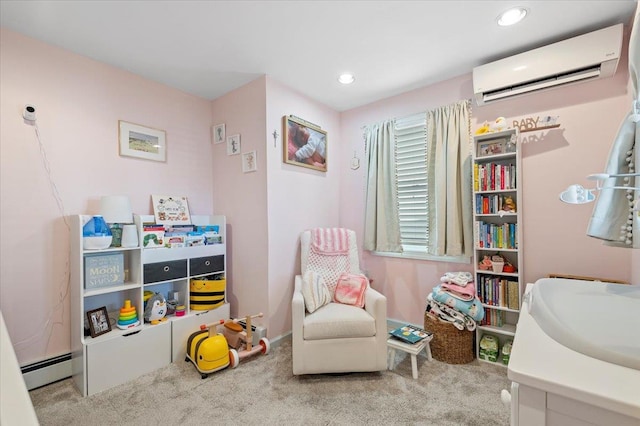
point(263, 391)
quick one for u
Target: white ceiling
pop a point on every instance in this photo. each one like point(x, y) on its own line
point(209, 48)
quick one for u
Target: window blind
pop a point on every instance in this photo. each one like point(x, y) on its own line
point(411, 181)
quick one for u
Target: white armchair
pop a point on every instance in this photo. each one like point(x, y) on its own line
point(338, 337)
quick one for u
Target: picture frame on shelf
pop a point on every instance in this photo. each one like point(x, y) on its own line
point(304, 143)
point(98, 321)
point(491, 147)
point(171, 210)
point(219, 133)
point(233, 144)
point(142, 142)
point(249, 162)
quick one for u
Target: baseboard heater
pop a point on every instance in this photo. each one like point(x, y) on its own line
point(47, 371)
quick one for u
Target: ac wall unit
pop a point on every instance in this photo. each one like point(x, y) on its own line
point(586, 57)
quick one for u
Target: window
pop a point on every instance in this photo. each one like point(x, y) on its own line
point(408, 211)
point(411, 181)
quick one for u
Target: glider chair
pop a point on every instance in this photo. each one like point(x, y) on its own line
point(339, 323)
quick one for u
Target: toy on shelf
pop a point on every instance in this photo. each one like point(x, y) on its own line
point(209, 350)
point(498, 125)
point(128, 317)
point(155, 309)
point(509, 205)
point(485, 264)
point(241, 340)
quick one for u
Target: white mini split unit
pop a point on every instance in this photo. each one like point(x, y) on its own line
point(586, 57)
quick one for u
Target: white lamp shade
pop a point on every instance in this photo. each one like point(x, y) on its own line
point(116, 209)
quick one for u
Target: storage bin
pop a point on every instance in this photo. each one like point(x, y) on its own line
point(165, 271)
point(205, 294)
point(449, 344)
point(206, 265)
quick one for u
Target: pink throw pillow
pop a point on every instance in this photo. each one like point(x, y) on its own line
point(350, 289)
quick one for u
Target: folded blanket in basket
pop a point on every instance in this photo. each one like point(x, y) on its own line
point(459, 278)
point(446, 313)
point(466, 293)
point(472, 308)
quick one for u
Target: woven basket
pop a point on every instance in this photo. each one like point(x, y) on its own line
point(449, 344)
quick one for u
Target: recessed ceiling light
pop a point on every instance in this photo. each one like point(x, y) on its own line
point(512, 16)
point(346, 78)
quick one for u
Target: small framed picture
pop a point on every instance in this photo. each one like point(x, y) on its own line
point(142, 142)
point(249, 162)
point(98, 321)
point(491, 147)
point(233, 145)
point(218, 133)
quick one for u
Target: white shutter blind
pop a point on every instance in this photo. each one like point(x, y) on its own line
point(411, 181)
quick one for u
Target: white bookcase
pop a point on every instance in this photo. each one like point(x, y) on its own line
point(118, 356)
point(498, 231)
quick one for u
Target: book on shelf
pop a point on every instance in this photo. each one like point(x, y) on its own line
point(409, 334)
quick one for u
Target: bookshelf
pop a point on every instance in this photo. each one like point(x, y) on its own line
point(120, 355)
point(497, 219)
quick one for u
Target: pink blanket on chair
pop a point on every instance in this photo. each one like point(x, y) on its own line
point(329, 254)
point(330, 241)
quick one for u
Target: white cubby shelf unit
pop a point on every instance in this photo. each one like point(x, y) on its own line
point(117, 356)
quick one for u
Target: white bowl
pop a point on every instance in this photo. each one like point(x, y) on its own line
point(96, 243)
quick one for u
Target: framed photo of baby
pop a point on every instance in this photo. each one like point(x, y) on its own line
point(305, 144)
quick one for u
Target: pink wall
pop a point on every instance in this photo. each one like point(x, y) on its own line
point(405, 282)
point(79, 102)
point(242, 197)
point(267, 210)
point(555, 238)
point(299, 198)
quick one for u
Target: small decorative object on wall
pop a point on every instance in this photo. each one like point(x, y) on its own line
point(530, 124)
point(170, 210)
point(233, 145)
point(355, 162)
point(491, 147)
point(218, 133)
point(249, 162)
point(98, 321)
point(304, 144)
point(142, 142)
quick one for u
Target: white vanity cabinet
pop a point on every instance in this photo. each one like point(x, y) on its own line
point(554, 385)
point(117, 356)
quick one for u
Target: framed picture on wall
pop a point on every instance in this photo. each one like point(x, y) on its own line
point(233, 145)
point(305, 144)
point(142, 142)
point(218, 133)
point(249, 162)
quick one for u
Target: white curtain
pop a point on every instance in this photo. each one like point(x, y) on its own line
point(449, 180)
point(613, 219)
point(381, 226)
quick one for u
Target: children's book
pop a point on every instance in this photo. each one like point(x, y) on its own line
point(409, 334)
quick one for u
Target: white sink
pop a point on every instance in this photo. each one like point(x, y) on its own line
point(600, 320)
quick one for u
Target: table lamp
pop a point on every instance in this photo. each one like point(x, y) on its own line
point(116, 210)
